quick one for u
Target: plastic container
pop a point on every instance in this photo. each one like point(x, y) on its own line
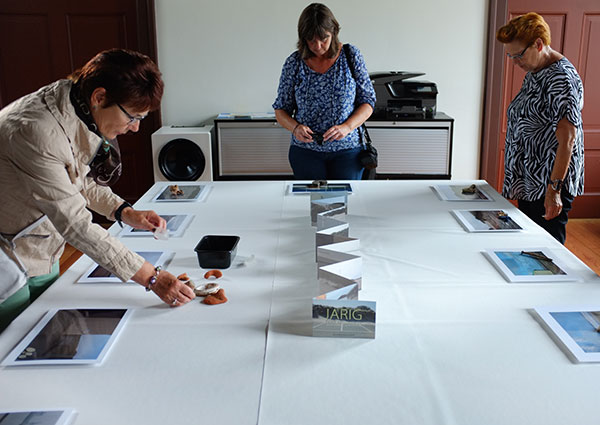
point(216, 251)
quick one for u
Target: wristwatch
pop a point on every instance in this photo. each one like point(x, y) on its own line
point(556, 184)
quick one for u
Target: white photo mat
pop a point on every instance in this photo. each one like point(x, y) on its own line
point(192, 192)
point(37, 417)
point(176, 225)
point(454, 193)
point(98, 274)
point(515, 267)
point(570, 329)
point(486, 221)
point(69, 339)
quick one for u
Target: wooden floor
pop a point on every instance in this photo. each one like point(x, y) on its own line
point(583, 240)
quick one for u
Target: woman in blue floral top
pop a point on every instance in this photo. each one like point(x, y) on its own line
point(323, 98)
point(543, 161)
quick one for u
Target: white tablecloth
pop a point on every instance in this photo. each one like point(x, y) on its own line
point(455, 343)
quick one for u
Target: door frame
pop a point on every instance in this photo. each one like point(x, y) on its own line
point(489, 169)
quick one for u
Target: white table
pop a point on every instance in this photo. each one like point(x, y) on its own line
point(455, 342)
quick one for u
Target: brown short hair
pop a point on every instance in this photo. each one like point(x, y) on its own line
point(128, 77)
point(315, 21)
point(525, 28)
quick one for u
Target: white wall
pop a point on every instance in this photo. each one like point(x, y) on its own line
point(226, 56)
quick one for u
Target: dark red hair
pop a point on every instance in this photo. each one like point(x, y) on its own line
point(129, 78)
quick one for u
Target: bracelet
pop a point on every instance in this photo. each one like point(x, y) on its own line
point(119, 211)
point(295, 129)
point(154, 278)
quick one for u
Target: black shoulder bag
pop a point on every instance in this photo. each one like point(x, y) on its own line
point(368, 156)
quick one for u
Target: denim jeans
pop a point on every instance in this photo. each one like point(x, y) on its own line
point(311, 165)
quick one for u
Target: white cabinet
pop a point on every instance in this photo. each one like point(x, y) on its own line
point(258, 149)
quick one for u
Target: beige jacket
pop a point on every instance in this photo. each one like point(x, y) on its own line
point(45, 150)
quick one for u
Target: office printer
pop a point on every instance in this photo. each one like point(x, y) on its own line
point(399, 97)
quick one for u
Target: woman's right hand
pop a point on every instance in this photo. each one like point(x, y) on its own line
point(303, 133)
point(168, 288)
point(171, 290)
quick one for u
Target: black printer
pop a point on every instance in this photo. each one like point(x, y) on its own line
point(398, 97)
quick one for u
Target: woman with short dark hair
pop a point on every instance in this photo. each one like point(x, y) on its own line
point(324, 96)
point(58, 154)
point(543, 162)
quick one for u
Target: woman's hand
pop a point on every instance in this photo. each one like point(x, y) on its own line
point(337, 132)
point(303, 133)
point(171, 290)
point(552, 203)
point(146, 220)
point(168, 288)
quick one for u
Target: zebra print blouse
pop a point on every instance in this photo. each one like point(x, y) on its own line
point(546, 97)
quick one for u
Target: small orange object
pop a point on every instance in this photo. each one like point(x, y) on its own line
point(218, 298)
point(183, 277)
point(216, 273)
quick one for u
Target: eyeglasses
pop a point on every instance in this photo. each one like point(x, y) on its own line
point(518, 55)
point(132, 119)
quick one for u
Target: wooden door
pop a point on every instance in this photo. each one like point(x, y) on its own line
point(42, 41)
point(575, 29)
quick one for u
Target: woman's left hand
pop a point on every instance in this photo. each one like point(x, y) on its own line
point(552, 204)
point(146, 220)
point(337, 132)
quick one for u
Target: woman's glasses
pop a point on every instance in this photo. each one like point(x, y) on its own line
point(132, 119)
point(518, 55)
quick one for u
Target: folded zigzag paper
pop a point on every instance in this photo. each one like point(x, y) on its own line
point(337, 312)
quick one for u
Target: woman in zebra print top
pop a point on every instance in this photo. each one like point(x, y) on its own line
point(543, 163)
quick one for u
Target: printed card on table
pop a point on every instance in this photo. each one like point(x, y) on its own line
point(530, 265)
point(576, 330)
point(461, 193)
point(69, 337)
point(176, 226)
point(486, 221)
point(337, 312)
point(37, 417)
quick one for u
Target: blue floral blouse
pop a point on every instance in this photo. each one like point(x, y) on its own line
point(321, 101)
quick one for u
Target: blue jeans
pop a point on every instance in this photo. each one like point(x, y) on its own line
point(311, 165)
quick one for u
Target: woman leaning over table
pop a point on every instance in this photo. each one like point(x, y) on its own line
point(322, 101)
point(58, 154)
point(543, 162)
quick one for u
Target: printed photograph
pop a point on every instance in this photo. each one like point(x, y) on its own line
point(298, 188)
point(343, 318)
point(181, 192)
point(70, 336)
point(41, 417)
point(582, 327)
point(486, 221)
point(461, 193)
point(533, 263)
point(176, 226)
point(98, 274)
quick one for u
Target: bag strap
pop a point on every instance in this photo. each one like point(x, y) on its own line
point(363, 127)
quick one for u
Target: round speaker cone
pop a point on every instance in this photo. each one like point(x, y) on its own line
point(181, 159)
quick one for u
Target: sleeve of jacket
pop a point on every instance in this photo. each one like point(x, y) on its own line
point(48, 172)
point(101, 198)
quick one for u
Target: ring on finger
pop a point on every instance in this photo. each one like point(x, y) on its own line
point(175, 301)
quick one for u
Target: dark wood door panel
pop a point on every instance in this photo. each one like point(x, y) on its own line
point(24, 55)
point(42, 41)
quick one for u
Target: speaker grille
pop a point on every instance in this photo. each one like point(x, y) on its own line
point(181, 160)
